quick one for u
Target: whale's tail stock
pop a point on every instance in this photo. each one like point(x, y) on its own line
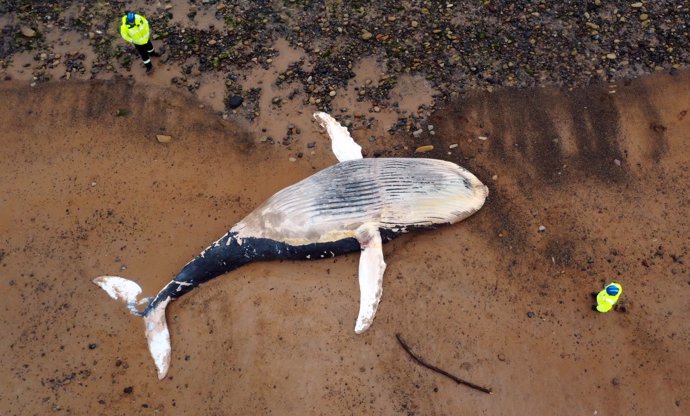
point(156, 327)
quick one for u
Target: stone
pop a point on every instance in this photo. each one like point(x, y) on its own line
point(423, 149)
point(366, 35)
point(163, 138)
point(27, 31)
point(235, 101)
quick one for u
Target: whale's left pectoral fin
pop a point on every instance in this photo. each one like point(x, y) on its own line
point(342, 144)
point(371, 268)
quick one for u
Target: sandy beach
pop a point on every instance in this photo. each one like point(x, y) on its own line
point(588, 184)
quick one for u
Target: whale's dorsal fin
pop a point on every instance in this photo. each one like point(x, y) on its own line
point(343, 145)
point(371, 268)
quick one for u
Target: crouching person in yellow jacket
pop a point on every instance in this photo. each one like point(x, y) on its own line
point(135, 30)
point(608, 297)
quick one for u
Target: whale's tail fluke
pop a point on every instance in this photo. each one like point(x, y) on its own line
point(157, 333)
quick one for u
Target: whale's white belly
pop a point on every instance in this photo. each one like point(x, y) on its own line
point(392, 193)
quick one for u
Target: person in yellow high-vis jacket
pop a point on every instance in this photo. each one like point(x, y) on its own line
point(608, 297)
point(135, 30)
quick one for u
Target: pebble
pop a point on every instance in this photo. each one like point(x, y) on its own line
point(611, 56)
point(453, 146)
point(292, 159)
point(27, 31)
point(417, 133)
point(377, 109)
point(366, 35)
point(530, 314)
point(483, 138)
point(163, 138)
point(332, 93)
point(643, 17)
point(423, 149)
point(636, 5)
point(542, 228)
point(615, 381)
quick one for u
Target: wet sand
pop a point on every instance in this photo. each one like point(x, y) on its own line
point(492, 299)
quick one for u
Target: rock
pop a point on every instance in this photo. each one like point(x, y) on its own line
point(542, 228)
point(377, 109)
point(163, 138)
point(530, 314)
point(366, 35)
point(636, 5)
point(417, 133)
point(483, 138)
point(615, 381)
point(292, 159)
point(453, 146)
point(611, 56)
point(643, 17)
point(235, 101)
point(27, 31)
point(332, 93)
point(423, 149)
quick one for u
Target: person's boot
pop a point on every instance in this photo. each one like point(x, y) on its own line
point(154, 53)
point(149, 67)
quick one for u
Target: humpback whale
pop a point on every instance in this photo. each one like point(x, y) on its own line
point(355, 205)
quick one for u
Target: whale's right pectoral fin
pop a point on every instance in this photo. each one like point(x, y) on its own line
point(343, 145)
point(371, 268)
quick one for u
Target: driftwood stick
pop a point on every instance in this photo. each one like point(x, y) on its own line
point(438, 370)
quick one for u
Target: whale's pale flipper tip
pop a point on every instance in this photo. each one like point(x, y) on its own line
point(371, 269)
point(343, 145)
point(158, 338)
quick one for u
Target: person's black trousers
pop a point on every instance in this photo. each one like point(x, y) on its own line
point(145, 50)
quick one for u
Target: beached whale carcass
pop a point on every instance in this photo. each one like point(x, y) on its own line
point(355, 205)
